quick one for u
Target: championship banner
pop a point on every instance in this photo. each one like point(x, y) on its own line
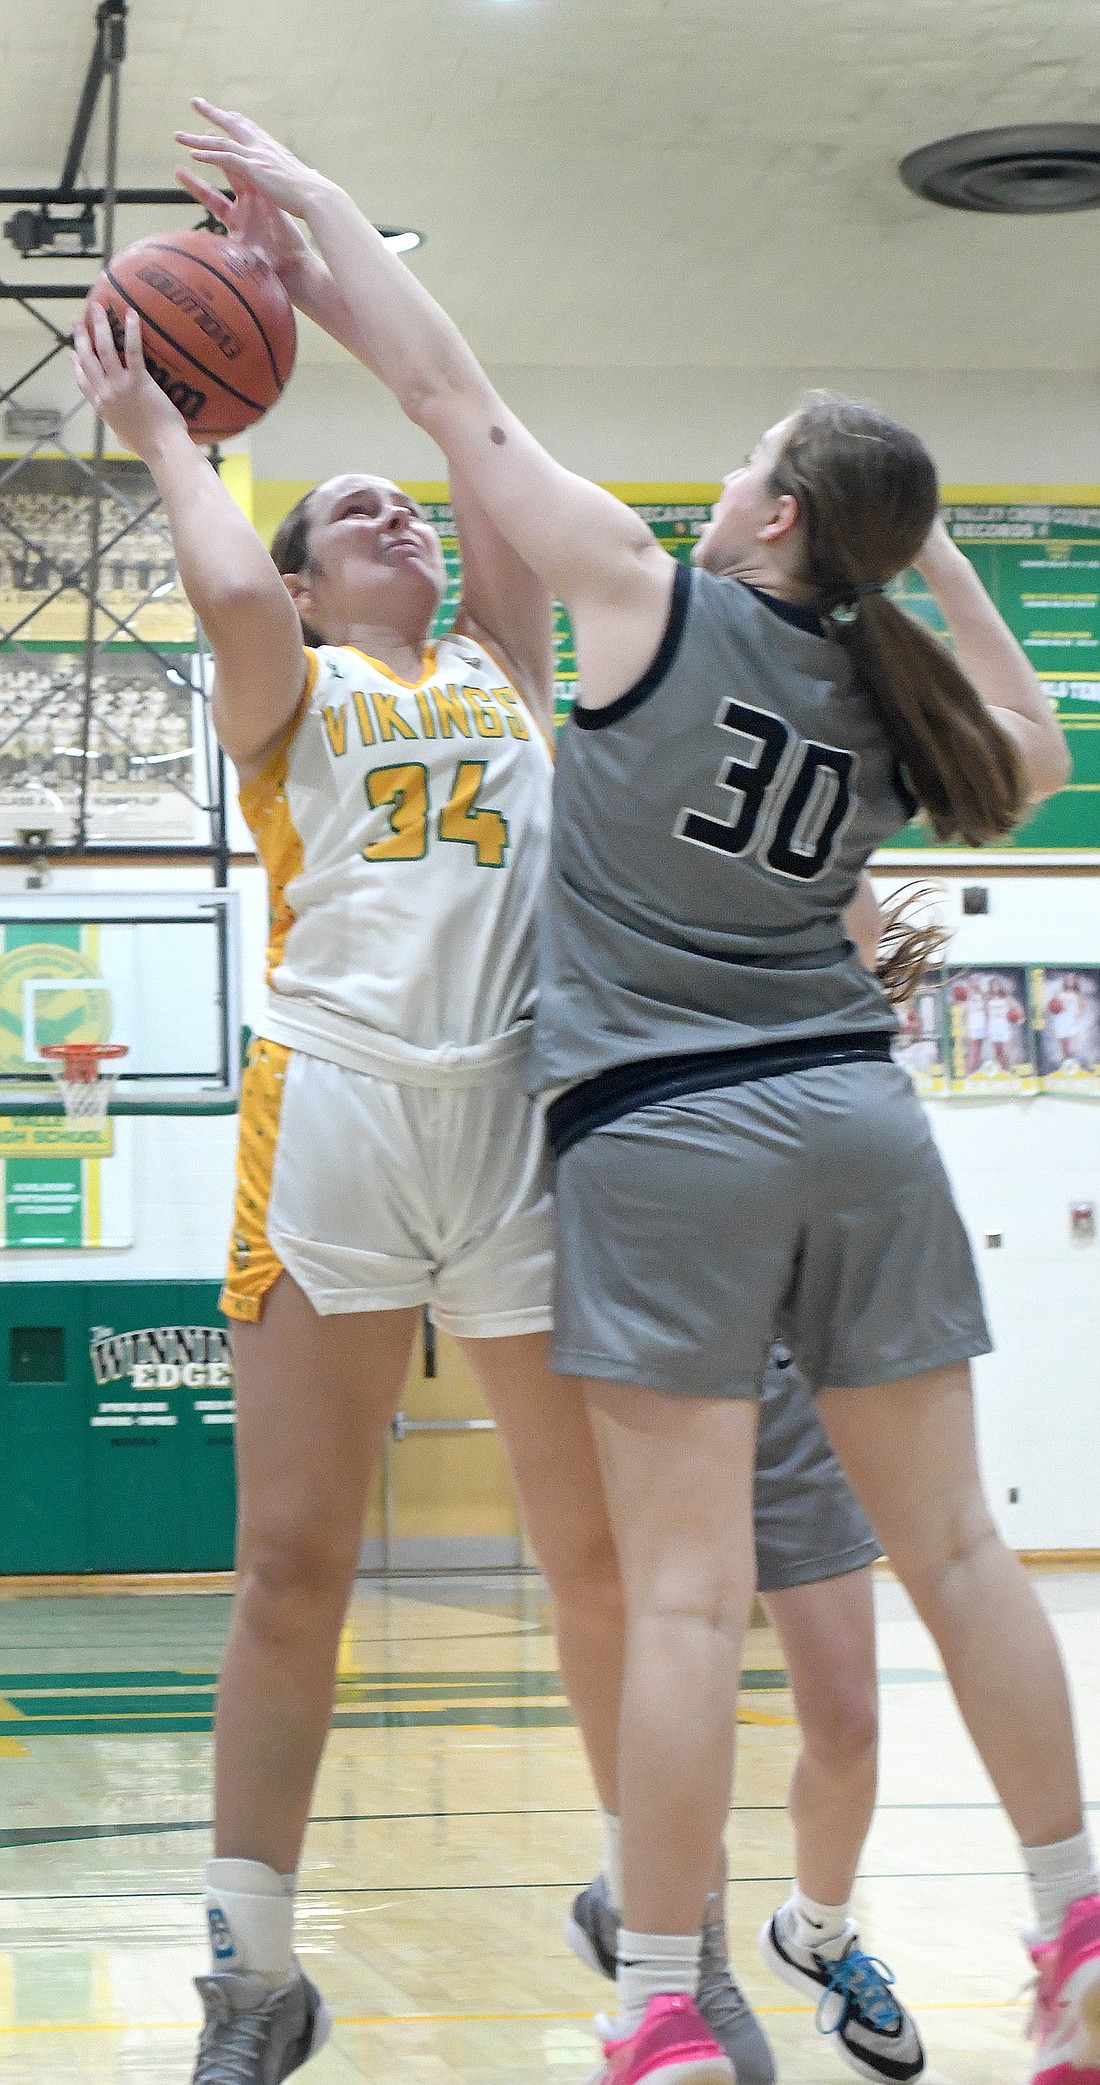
point(1039, 559)
point(1065, 1015)
point(992, 1048)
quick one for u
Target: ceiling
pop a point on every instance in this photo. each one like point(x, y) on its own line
point(631, 182)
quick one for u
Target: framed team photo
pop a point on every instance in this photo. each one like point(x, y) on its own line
point(990, 1040)
point(1065, 1017)
point(921, 1041)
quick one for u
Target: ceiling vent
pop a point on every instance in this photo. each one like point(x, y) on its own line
point(1023, 170)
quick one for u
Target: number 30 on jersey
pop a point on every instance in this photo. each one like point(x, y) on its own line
point(792, 798)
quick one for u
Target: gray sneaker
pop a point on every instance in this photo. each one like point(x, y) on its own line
point(255, 2035)
point(592, 1931)
point(726, 2009)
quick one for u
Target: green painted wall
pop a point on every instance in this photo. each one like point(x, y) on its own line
point(116, 1428)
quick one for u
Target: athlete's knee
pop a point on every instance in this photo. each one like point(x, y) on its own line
point(714, 1608)
point(947, 1550)
point(840, 1723)
point(580, 1566)
point(288, 1578)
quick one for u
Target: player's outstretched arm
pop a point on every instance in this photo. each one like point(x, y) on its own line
point(505, 605)
point(244, 608)
point(995, 664)
point(585, 545)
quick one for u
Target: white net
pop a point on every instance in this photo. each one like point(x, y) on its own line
point(86, 1084)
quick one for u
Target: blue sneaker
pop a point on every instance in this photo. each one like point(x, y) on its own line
point(875, 2036)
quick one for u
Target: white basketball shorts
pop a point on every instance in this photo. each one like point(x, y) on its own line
point(383, 1196)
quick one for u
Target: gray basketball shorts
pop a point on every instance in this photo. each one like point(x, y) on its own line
point(809, 1524)
point(811, 1208)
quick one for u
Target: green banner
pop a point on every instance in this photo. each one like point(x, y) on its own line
point(43, 1202)
point(1041, 566)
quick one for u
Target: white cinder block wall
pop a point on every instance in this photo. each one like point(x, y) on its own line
point(1016, 1165)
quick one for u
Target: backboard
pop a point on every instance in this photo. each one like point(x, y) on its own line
point(158, 971)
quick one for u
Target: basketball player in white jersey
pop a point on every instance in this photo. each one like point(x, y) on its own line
point(399, 793)
point(376, 805)
point(777, 641)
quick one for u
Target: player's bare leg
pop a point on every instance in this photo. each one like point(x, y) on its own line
point(547, 1438)
point(827, 1634)
point(909, 1452)
point(314, 1397)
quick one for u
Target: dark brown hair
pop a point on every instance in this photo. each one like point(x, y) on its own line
point(867, 496)
point(291, 552)
point(909, 946)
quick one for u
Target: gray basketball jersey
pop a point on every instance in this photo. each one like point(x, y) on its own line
point(709, 829)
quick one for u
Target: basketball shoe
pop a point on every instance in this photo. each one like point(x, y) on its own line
point(255, 2035)
point(1066, 2021)
point(592, 1931)
point(673, 2046)
point(875, 2036)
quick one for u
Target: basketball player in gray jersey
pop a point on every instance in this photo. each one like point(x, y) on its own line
point(740, 1158)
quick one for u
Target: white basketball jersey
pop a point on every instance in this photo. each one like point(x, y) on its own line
point(404, 826)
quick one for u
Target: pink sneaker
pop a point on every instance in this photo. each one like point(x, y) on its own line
point(673, 2046)
point(1067, 2004)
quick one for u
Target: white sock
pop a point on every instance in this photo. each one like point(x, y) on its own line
point(250, 1913)
point(810, 1924)
point(1060, 1874)
point(650, 1965)
point(612, 1869)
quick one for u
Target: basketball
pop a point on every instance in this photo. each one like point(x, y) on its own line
point(1055, 1005)
point(959, 994)
point(217, 326)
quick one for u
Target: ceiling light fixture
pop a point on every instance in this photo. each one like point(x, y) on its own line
point(1022, 170)
point(399, 241)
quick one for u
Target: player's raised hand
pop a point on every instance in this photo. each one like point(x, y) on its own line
point(248, 156)
point(255, 220)
point(118, 386)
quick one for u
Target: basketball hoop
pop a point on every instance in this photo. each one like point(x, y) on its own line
point(86, 1088)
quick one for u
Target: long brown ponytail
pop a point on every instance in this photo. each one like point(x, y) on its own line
point(867, 495)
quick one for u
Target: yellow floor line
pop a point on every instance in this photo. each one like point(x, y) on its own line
point(959, 2005)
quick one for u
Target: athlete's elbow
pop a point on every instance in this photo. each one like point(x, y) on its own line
point(1048, 769)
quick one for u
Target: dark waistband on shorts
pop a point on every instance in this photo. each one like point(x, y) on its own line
point(624, 1088)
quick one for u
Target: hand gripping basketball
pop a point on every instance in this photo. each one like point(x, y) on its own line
point(111, 374)
point(217, 327)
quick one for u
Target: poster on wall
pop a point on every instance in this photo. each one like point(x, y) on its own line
point(992, 1048)
point(1065, 1015)
point(54, 1196)
point(920, 1044)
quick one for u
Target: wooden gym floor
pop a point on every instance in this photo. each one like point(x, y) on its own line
point(453, 1823)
